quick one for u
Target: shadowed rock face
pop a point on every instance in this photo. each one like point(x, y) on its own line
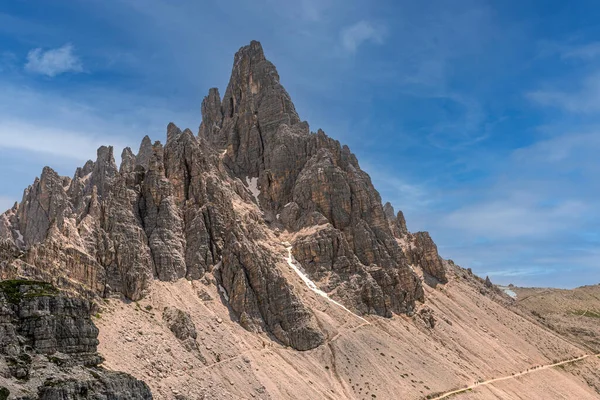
point(189, 208)
point(48, 345)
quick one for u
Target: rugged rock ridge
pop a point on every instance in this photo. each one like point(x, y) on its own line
point(418, 247)
point(212, 206)
point(48, 348)
point(309, 179)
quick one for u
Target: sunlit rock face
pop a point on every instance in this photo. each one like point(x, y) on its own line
point(211, 205)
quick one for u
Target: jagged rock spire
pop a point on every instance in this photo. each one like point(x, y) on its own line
point(255, 104)
point(144, 153)
point(388, 210)
point(127, 161)
point(212, 119)
point(401, 223)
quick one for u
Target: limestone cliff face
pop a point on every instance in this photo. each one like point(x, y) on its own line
point(48, 347)
point(309, 179)
point(209, 206)
point(419, 248)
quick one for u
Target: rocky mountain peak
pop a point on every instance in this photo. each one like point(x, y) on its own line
point(145, 152)
point(254, 106)
point(215, 207)
point(253, 51)
point(388, 210)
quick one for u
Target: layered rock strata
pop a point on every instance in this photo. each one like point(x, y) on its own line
point(48, 348)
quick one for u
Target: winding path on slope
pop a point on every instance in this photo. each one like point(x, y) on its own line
point(529, 371)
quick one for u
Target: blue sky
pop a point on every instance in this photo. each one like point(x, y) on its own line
point(479, 119)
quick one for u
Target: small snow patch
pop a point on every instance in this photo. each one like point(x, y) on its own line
point(20, 236)
point(253, 186)
point(312, 286)
point(86, 178)
point(224, 292)
point(508, 291)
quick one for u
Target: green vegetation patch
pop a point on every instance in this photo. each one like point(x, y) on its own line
point(17, 289)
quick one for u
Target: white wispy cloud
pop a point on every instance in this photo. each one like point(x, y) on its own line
point(75, 125)
point(578, 92)
point(516, 216)
point(535, 195)
point(585, 99)
point(61, 142)
point(402, 193)
point(586, 52)
point(362, 31)
point(54, 61)
point(510, 273)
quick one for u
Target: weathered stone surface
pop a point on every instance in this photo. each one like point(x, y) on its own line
point(179, 210)
point(182, 326)
point(423, 252)
point(105, 385)
point(426, 316)
point(400, 225)
point(419, 248)
point(388, 210)
point(212, 119)
point(180, 323)
point(254, 106)
point(43, 203)
point(162, 224)
point(9, 228)
point(48, 345)
point(144, 153)
point(396, 221)
point(306, 179)
point(261, 296)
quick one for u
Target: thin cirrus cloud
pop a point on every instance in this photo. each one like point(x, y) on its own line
point(50, 140)
point(362, 31)
point(516, 218)
point(584, 100)
point(579, 94)
point(54, 61)
point(586, 52)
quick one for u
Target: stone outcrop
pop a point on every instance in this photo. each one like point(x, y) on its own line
point(262, 297)
point(209, 205)
point(424, 254)
point(419, 248)
point(48, 346)
point(182, 326)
